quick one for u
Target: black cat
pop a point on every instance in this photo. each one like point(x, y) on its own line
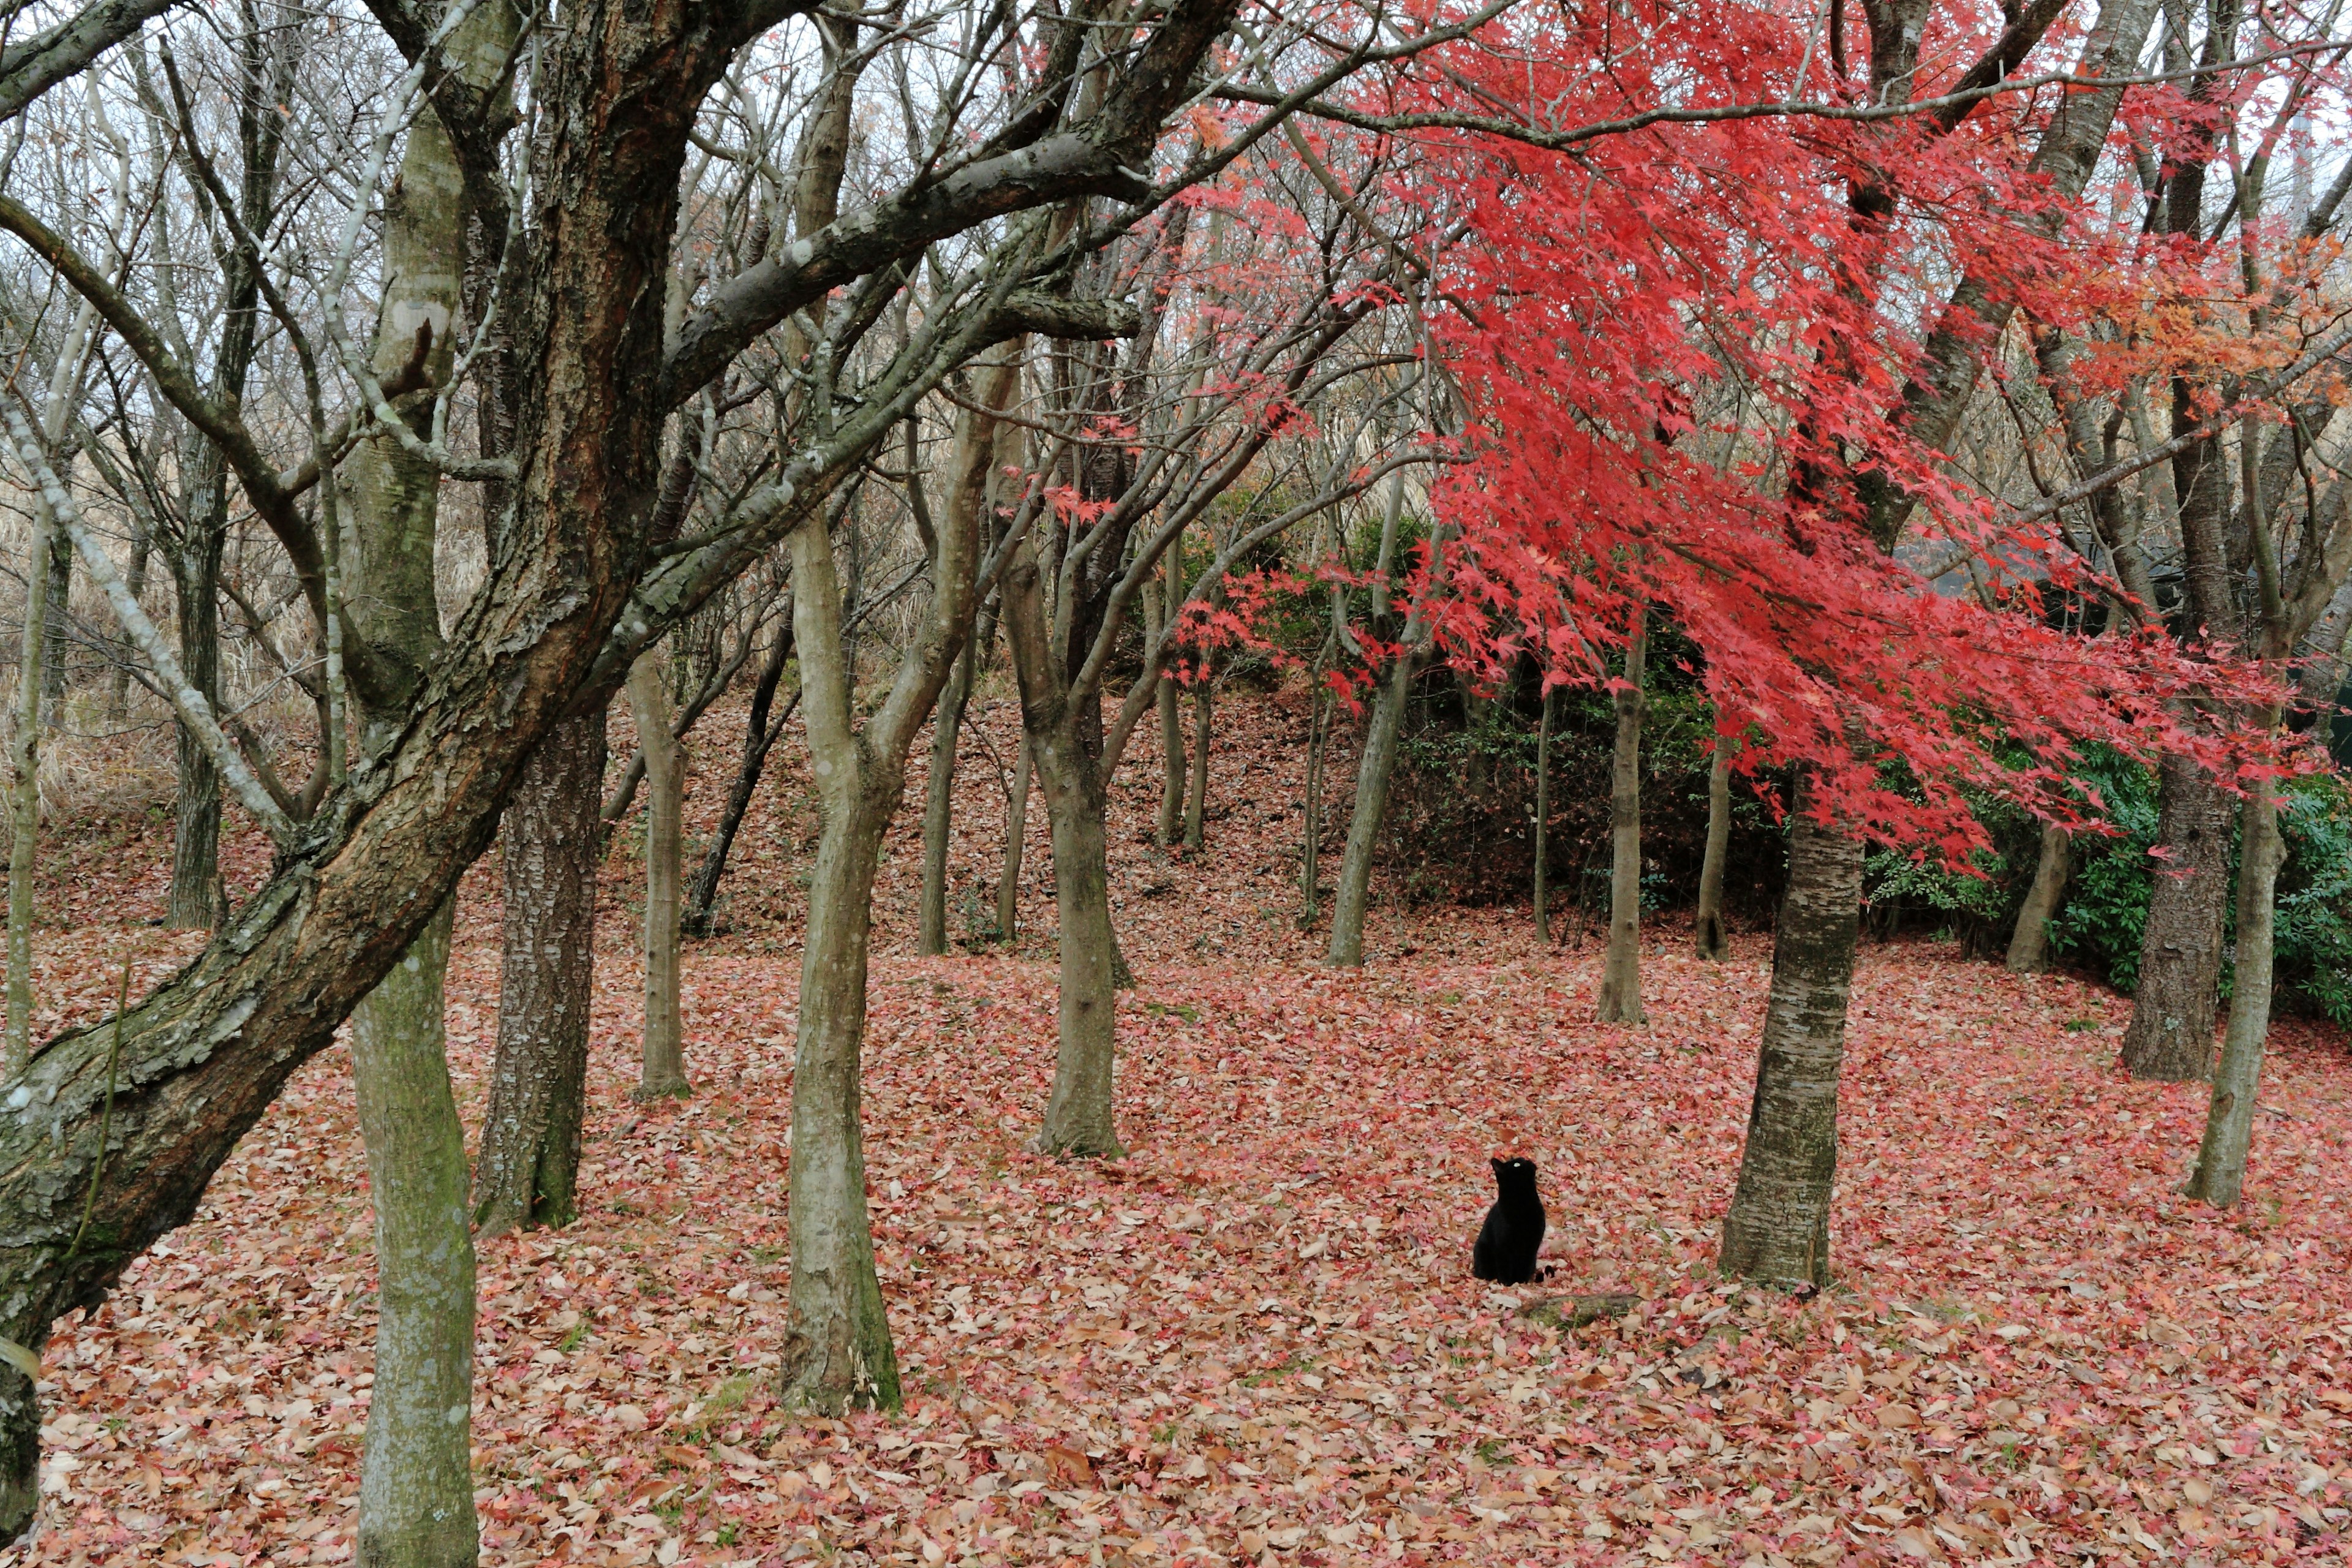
point(1505, 1252)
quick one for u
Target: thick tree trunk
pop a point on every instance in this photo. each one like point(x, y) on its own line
point(1777, 1231)
point(1373, 767)
point(1196, 799)
point(2029, 944)
point(938, 806)
point(1620, 968)
point(839, 1354)
point(195, 901)
point(1016, 840)
point(528, 1171)
point(417, 1485)
point(1079, 1114)
point(760, 733)
point(416, 1491)
point(662, 1063)
point(2220, 1174)
point(2171, 1033)
point(1706, 928)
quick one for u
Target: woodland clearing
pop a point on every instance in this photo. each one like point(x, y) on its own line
point(1256, 1338)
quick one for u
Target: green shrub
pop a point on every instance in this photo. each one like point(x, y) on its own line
point(2313, 935)
point(2106, 911)
point(2098, 926)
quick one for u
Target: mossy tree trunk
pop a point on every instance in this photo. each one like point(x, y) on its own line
point(839, 1355)
point(416, 1490)
point(417, 1483)
point(661, 1071)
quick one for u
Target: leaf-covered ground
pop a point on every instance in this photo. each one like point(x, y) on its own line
point(1255, 1337)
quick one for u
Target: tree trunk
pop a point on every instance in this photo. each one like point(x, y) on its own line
point(938, 806)
point(60, 594)
point(2029, 944)
point(416, 1494)
point(838, 1355)
point(1016, 838)
point(1196, 800)
point(2171, 1033)
point(1620, 969)
point(662, 1065)
point(760, 733)
point(195, 901)
point(24, 790)
point(1777, 1230)
point(1310, 850)
point(2220, 1172)
point(117, 684)
point(1706, 928)
point(1079, 1114)
point(1172, 745)
point(416, 1486)
point(1543, 816)
point(528, 1171)
point(1372, 771)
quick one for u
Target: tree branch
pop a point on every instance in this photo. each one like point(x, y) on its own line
point(30, 68)
point(189, 703)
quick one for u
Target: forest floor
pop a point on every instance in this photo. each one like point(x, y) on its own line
point(1256, 1338)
